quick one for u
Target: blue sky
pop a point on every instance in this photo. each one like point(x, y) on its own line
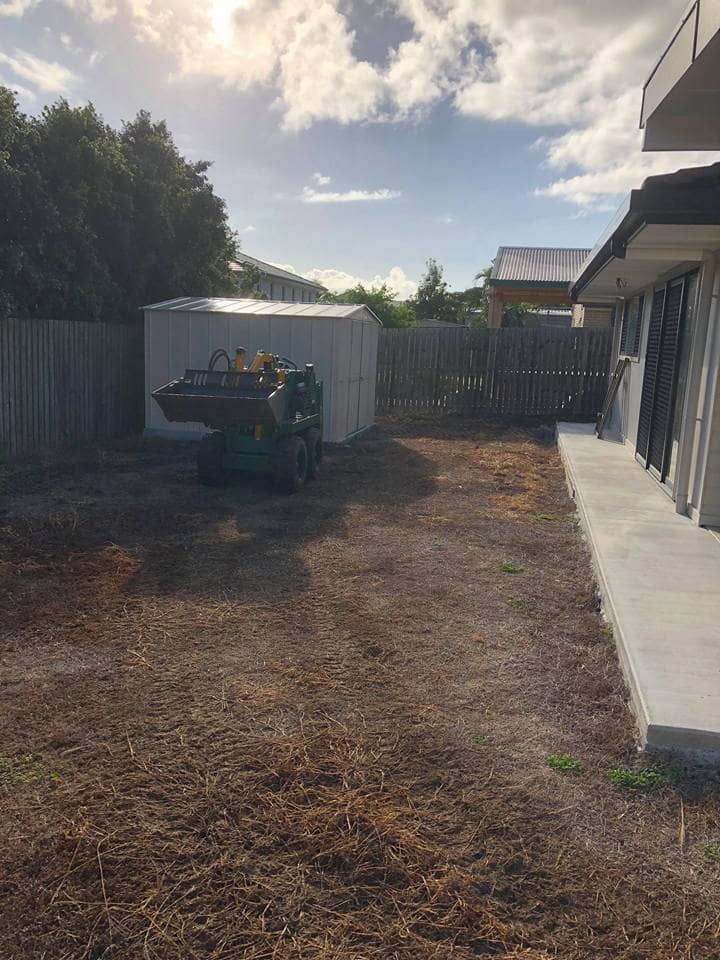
point(352, 139)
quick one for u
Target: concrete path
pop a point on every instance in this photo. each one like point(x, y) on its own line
point(660, 579)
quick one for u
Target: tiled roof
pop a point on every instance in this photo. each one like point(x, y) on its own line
point(272, 271)
point(558, 265)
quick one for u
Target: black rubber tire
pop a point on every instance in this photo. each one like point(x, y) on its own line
point(290, 464)
point(313, 442)
point(210, 468)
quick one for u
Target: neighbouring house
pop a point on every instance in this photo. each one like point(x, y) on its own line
point(647, 482)
point(540, 276)
point(278, 284)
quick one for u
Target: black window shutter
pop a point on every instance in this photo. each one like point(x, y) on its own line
point(665, 378)
point(635, 347)
point(652, 354)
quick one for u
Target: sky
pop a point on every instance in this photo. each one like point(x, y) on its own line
point(353, 139)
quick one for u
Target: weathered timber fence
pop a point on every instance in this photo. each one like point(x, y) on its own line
point(65, 382)
point(541, 372)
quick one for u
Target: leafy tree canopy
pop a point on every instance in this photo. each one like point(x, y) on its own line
point(433, 300)
point(381, 300)
point(96, 222)
point(248, 279)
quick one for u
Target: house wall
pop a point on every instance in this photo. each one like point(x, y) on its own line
point(591, 317)
point(702, 400)
point(709, 507)
point(344, 351)
point(277, 289)
point(704, 496)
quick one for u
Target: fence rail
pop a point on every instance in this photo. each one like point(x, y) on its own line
point(541, 372)
point(65, 382)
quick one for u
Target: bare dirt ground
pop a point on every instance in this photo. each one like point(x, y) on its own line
point(240, 725)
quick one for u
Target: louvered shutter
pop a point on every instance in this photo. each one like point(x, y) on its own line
point(665, 377)
point(652, 354)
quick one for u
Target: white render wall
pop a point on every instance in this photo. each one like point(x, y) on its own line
point(343, 349)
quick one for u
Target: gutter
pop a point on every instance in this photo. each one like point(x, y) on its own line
point(690, 197)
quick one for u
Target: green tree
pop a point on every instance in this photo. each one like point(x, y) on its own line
point(180, 236)
point(381, 300)
point(247, 281)
point(86, 237)
point(433, 300)
point(22, 209)
point(518, 315)
point(476, 300)
point(96, 222)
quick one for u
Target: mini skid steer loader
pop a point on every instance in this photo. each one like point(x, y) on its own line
point(264, 418)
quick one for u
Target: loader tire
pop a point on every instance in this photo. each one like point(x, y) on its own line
point(290, 464)
point(313, 442)
point(210, 468)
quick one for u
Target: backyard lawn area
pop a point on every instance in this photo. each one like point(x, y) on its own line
point(376, 719)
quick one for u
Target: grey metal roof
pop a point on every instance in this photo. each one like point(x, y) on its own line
point(259, 308)
point(273, 271)
point(537, 265)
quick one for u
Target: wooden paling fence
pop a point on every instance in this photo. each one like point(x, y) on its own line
point(65, 382)
point(511, 372)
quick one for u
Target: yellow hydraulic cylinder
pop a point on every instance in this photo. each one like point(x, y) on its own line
point(261, 358)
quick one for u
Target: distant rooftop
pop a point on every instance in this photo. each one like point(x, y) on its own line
point(272, 271)
point(263, 307)
point(546, 266)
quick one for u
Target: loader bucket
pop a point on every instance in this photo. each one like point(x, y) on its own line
point(222, 398)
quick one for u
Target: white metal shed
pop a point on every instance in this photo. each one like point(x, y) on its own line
point(340, 339)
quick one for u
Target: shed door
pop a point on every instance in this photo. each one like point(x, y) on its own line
point(661, 376)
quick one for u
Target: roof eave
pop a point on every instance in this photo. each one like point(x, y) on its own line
point(658, 201)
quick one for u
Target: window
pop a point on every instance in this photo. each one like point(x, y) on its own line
point(631, 327)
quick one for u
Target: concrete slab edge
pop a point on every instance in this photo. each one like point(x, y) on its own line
point(637, 701)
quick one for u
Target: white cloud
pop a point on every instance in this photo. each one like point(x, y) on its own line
point(97, 10)
point(310, 195)
point(41, 74)
point(248, 229)
point(302, 51)
point(575, 67)
point(338, 280)
point(16, 8)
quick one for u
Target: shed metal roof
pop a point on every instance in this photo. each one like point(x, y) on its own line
point(550, 266)
point(258, 308)
point(272, 271)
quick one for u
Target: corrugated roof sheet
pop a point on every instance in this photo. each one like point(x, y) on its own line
point(538, 264)
point(258, 308)
point(273, 271)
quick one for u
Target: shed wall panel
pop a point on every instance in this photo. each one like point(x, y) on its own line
point(343, 349)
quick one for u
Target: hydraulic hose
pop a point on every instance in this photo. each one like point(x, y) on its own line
point(215, 356)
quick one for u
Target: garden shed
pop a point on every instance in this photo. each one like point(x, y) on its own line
point(340, 339)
